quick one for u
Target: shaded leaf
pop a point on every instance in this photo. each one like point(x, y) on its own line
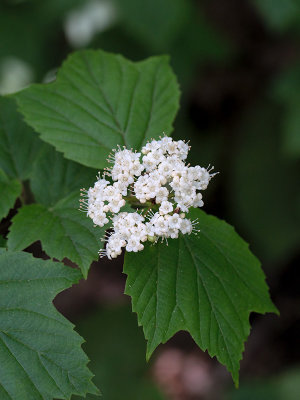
point(63, 231)
point(57, 222)
point(41, 355)
point(206, 284)
point(19, 145)
point(100, 100)
point(54, 178)
point(10, 190)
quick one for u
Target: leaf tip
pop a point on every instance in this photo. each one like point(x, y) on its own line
point(149, 352)
point(235, 377)
point(236, 383)
point(94, 390)
point(84, 272)
point(275, 310)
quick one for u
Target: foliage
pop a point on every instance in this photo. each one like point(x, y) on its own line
point(205, 284)
point(38, 346)
point(99, 101)
point(19, 146)
point(55, 220)
point(11, 190)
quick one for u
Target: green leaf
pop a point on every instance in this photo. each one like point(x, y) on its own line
point(10, 190)
point(100, 100)
point(57, 222)
point(41, 355)
point(54, 178)
point(63, 231)
point(206, 284)
point(19, 145)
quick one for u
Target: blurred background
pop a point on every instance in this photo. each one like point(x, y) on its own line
point(238, 66)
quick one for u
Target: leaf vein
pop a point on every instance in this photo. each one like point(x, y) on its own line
point(86, 61)
point(211, 304)
point(15, 357)
point(152, 105)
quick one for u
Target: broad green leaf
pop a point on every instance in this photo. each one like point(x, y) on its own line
point(19, 145)
point(186, 53)
point(206, 284)
point(62, 230)
point(10, 190)
point(56, 221)
point(54, 178)
point(100, 100)
point(41, 355)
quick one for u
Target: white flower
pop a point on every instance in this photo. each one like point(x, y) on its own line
point(162, 195)
point(173, 233)
point(165, 168)
point(198, 200)
point(186, 226)
point(134, 245)
point(166, 207)
point(157, 178)
point(174, 221)
point(183, 149)
point(100, 219)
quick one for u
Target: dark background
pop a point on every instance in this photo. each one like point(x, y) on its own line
point(238, 67)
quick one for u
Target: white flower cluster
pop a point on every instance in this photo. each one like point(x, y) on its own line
point(158, 181)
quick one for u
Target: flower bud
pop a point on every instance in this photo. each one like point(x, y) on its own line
point(152, 239)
